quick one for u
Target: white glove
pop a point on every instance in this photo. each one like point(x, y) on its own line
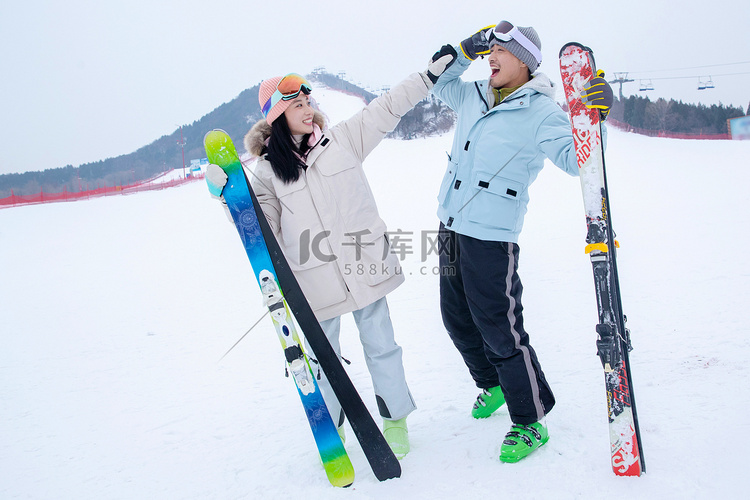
point(216, 179)
point(442, 59)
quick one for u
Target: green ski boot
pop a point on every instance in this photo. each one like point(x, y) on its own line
point(522, 440)
point(397, 436)
point(487, 402)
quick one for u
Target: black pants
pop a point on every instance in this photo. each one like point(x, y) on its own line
point(480, 301)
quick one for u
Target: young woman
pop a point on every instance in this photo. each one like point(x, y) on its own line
point(313, 190)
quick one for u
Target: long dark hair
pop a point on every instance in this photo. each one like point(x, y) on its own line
point(285, 157)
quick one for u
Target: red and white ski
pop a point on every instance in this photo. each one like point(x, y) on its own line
point(577, 67)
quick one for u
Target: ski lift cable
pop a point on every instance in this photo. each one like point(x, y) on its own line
point(689, 77)
point(691, 67)
point(697, 76)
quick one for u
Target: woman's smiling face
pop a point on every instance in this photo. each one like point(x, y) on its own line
point(299, 115)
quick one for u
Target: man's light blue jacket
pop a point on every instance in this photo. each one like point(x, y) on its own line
point(498, 151)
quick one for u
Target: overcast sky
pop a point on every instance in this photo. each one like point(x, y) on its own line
point(83, 80)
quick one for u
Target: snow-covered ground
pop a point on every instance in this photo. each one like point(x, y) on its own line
point(115, 313)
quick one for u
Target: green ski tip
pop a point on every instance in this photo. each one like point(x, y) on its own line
point(340, 471)
point(219, 148)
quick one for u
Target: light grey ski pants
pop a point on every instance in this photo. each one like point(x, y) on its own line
point(384, 362)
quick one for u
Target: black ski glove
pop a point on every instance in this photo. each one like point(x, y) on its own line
point(598, 95)
point(441, 61)
point(477, 44)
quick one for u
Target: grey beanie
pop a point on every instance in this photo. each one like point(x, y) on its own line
point(518, 50)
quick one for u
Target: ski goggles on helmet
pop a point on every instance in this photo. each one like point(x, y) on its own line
point(505, 32)
point(287, 89)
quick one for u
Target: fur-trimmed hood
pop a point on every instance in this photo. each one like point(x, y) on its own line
point(256, 138)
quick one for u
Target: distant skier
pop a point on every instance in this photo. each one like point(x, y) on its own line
point(313, 190)
point(507, 126)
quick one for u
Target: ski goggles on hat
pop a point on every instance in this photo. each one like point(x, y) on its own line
point(287, 89)
point(505, 32)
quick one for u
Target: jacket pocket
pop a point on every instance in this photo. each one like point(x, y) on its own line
point(322, 285)
point(337, 160)
point(294, 198)
point(374, 262)
point(447, 184)
point(494, 201)
point(283, 189)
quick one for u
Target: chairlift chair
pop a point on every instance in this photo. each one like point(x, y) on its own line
point(708, 84)
point(646, 85)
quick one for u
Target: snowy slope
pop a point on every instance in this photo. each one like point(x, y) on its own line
point(116, 311)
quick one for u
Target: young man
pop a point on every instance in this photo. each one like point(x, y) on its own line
point(507, 126)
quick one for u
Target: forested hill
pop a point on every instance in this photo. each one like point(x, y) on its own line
point(161, 155)
point(165, 153)
point(429, 117)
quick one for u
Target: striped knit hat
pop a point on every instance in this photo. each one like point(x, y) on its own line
point(267, 88)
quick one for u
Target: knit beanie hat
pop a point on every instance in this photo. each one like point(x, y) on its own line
point(267, 88)
point(518, 50)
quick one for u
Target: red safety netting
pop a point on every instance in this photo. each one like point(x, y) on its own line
point(151, 185)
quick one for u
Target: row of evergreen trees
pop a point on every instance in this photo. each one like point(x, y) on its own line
point(428, 118)
point(674, 116)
